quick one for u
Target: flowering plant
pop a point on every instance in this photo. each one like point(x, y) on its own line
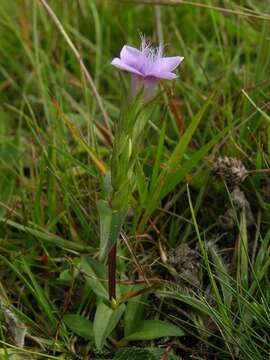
point(147, 67)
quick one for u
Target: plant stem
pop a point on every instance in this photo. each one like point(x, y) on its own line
point(112, 272)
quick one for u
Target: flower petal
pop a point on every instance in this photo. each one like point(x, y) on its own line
point(123, 66)
point(133, 57)
point(166, 75)
point(130, 55)
point(168, 64)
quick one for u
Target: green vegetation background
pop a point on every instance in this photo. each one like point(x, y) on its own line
point(55, 144)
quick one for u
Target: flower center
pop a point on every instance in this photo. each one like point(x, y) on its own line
point(151, 55)
point(150, 52)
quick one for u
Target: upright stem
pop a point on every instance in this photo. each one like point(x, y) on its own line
point(112, 272)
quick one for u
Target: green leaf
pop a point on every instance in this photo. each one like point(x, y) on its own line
point(111, 223)
point(105, 219)
point(105, 321)
point(41, 295)
point(222, 274)
point(143, 353)
point(134, 311)
point(7, 186)
point(159, 152)
point(96, 275)
point(11, 354)
point(141, 183)
point(242, 252)
point(79, 325)
point(173, 179)
point(180, 149)
point(198, 304)
point(154, 329)
point(173, 173)
point(47, 237)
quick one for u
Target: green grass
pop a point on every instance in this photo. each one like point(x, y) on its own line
point(56, 128)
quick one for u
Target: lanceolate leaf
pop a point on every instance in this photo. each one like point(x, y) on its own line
point(95, 275)
point(105, 321)
point(105, 219)
point(154, 329)
point(175, 178)
point(134, 311)
point(222, 273)
point(49, 238)
point(173, 163)
point(111, 223)
point(180, 149)
point(79, 325)
point(167, 181)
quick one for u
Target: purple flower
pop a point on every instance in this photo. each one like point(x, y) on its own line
point(147, 66)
